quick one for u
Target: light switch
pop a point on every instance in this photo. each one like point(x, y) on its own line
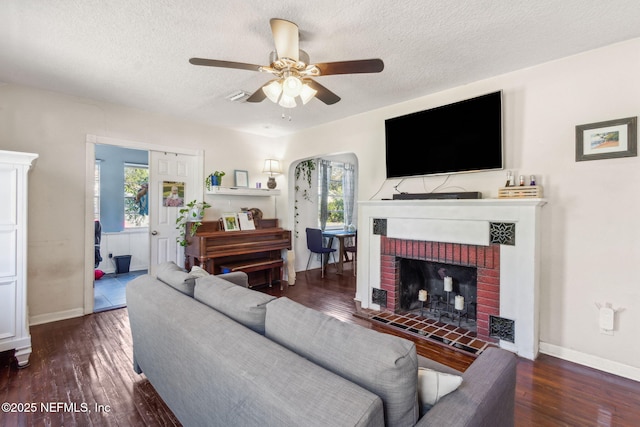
point(606, 318)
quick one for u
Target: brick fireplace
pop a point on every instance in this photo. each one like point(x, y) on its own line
point(500, 237)
point(486, 259)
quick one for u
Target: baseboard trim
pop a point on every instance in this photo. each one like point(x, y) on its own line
point(591, 361)
point(54, 317)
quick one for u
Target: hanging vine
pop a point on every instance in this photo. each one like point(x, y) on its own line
point(305, 170)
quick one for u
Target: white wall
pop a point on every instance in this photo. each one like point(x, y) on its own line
point(590, 232)
point(134, 242)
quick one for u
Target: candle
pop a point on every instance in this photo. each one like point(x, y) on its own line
point(459, 304)
point(422, 295)
point(448, 284)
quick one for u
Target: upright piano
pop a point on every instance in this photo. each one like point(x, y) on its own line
point(257, 252)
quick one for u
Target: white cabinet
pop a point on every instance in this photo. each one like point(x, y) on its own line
point(14, 322)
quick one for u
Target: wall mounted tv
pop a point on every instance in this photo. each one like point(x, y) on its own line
point(465, 136)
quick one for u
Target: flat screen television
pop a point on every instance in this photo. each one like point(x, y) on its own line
point(465, 136)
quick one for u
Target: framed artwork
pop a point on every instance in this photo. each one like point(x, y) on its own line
point(245, 219)
point(172, 194)
point(230, 221)
point(607, 140)
point(241, 178)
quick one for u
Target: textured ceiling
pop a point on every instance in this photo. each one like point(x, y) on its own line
point(136, 53)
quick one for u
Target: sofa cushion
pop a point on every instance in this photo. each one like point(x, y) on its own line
point(241, 304)
point(383, 364)
point(174, 276)
point(432, 385)
point(198, 272)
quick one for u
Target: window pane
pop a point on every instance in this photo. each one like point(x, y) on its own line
point(335, 198)
point(136, 210)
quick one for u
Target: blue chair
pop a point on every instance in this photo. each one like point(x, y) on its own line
point(315, 244)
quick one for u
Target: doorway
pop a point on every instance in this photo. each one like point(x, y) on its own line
point(324, 190)
point(164, 164)
point(122, 222)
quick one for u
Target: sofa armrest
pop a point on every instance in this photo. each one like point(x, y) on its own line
point(486, 396)
point(238, 277)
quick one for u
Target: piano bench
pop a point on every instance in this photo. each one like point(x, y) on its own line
point(252, 265)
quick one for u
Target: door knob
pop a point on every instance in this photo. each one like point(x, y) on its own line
point(154, 233)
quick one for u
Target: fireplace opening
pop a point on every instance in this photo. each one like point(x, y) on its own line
point(416, 275)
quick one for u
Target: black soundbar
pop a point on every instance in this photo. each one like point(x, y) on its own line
point(422, 196)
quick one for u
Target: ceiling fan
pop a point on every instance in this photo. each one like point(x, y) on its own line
point(292, 71)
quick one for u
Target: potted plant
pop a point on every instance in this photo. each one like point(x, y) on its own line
point(191, 212)
point(215, 179)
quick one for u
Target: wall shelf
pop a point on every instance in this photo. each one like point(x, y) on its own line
point(242, 191)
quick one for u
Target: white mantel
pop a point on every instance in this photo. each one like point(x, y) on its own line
point(467, 222)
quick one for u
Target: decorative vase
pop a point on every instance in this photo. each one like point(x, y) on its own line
point(215, 180)
point(196, 213)
point(271, 183)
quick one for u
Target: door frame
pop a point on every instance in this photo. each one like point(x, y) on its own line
point(89, 229)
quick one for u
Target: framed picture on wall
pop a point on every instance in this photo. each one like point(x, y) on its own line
point(230, 221)
point(173, 194)
point(241, 178)
point(607, 140)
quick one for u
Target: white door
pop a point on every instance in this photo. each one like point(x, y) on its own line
point(167, 171)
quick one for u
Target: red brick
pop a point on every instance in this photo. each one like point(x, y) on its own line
point(464, 255)
point(488, 272)
point(473, 255)
point(456, 253)
point(442, 251)
point(489, 287)
point(488, 280)
point(488, 257)
point(488, 295)
point(482, 256)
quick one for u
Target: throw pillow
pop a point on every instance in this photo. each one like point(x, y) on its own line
point(174, 276)
point(433, 385)
point(198, 272)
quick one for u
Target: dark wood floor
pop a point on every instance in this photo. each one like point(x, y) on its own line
point(81, 374)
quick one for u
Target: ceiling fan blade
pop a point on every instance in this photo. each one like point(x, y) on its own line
point(285, 37)
point(323, 94)
point(351, 67)
point(259, 95)
point(224, 64)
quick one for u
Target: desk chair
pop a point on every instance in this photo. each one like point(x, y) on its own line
point(315, 244)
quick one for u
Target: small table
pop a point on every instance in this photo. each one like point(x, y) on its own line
point(340, 235)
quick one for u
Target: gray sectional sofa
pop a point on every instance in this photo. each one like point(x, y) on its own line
point(220, 354)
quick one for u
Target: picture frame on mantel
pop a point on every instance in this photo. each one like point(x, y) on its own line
point(607, 140)
point(241, 178)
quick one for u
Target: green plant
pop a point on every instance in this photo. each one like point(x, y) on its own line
point(303, 169)
point(192, 212)
point(218, 177)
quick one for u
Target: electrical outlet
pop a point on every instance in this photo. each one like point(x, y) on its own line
point(110, 255)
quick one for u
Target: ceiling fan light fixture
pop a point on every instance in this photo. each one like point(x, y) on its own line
point(287, 101)
point(292, 86)
point(307, 93)
point(273, 91)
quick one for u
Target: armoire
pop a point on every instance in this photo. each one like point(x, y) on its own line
point(14, 321)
